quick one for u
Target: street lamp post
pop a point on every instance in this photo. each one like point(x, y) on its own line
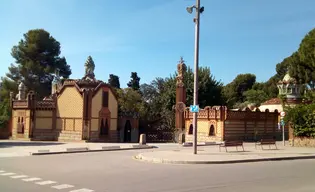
point(196, 61)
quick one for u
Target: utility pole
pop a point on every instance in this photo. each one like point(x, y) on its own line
point(196, 67)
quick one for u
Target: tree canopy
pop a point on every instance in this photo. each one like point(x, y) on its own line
point(37, 56)
point(234, 91)
point(114, 81)
point(134, 82)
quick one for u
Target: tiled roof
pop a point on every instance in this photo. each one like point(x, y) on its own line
point(273, 101)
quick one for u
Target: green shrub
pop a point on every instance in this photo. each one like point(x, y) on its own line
point(302, 119)
point(4, 113)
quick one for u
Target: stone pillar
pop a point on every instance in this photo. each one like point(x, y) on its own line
point(56, 83)
point(31, 104)
point(87, 114)
point(142, 140)
point(180, 101)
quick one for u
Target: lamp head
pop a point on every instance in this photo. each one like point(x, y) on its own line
point(202, 9)
point(190, 9)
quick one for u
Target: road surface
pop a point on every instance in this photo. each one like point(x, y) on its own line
point(116, 171)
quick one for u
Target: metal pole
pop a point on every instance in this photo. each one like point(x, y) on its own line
point(197, 22)
point(283, 138)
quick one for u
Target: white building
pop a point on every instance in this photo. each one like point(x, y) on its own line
point(289, 88)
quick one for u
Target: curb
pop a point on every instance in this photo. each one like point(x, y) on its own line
point(85, 150)
point(166, 161)
point(190, 144)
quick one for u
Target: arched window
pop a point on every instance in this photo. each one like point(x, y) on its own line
point(211, 131)
point(191, 129)
point(104, 128)
point(22, 125)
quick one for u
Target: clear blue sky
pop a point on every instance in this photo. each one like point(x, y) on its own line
point(149, 36)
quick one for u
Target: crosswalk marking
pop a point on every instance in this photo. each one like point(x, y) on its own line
point(39, 181)
point(82, 190)
point(45, 182)
point(7, 174)
point(32, 179)
point(63, 186)
point(18, 176)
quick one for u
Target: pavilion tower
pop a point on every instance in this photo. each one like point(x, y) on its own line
point(180, 100)
point(291, 89)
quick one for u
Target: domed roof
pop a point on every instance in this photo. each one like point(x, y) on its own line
point(287, 77)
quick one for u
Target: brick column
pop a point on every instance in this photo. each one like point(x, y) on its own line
point(180, 101)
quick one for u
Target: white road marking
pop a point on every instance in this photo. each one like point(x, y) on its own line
point(63, 186)
point(82, 190)
point(7, 174)
point(18, 176)
point(45, 182)
point(32, 179)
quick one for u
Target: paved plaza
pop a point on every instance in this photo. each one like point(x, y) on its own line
point(117, 171)
point(212, 155)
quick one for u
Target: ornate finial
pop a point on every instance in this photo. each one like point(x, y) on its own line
point(181, 61)
point(181, 69)
point(21, 86)
point(56, 79)
point(22, 89)
point(89, 67)
point(57, 72)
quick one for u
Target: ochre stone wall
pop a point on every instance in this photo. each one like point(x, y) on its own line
point(204, 130)
point(19, 117)
point(113, 108)
point(69, 124)
point(70, 104)
point(97, 107)
point(44, 119)
point(97, 104)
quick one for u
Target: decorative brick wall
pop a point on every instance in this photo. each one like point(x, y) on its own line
point(302, 142)
point(228, 124)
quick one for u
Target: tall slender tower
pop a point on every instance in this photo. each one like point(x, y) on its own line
point(180, 100)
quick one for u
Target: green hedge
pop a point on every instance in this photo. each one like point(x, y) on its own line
point(302, 119)
point(4, 113)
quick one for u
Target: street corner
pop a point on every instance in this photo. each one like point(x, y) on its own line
point(184, 157)
point(92, 149)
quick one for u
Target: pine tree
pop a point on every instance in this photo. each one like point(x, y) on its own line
point(134, 82)
point(114, 81)
point(37, 56)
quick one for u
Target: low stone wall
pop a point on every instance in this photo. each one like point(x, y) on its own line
point(202, 137)
point(56, 135)
point(302, 142)
point(111, 137)
point(4, 133)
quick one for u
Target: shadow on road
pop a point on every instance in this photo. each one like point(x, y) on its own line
point(6, 144)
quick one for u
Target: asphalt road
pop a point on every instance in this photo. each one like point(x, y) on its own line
point(117, 172)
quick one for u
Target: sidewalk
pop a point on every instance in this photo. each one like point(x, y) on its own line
point(11, 148)
point(211, 154)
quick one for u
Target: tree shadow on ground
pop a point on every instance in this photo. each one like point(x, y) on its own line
point(7, 144)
